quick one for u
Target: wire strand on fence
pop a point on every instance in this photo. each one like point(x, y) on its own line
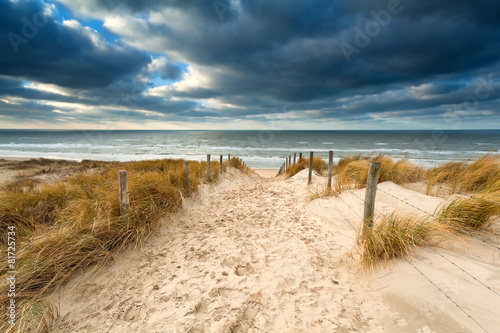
point(463, 270)
point(352, 211)
point(442, 187)
point(440, 219)
point(488, 287)
point(432, 282)
point(431, 215)
point(447, 296)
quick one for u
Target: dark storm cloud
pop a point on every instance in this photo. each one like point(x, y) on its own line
point(290, 50)
point(266, 57)
point(46, 51)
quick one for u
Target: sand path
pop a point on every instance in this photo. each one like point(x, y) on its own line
point(248, 254)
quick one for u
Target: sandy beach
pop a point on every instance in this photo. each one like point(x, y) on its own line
point(267, 173)
point(254, 254)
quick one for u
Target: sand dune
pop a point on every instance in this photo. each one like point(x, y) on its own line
point(252, 254)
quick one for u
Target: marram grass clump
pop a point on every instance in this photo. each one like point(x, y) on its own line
point(396, 236)
point(75, 225)
point(482, 174)
point(352, 171)
point(319, 165)
point(239, 164)
point(321, 191)
point(465, 213)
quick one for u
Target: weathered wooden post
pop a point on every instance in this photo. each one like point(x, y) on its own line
point(371, 191)
point(310, 168)
point(186, 175)
point(300, 157)
point(290, 160)
point(294, 158)
point(228, 159)
point(123, 192)
point(220, 164)
point(330, 168)
point(208, 166)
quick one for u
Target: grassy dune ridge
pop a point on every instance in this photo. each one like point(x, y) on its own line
point(74, 225)
point(477, 207)
point(319, 165)
point(477, 183)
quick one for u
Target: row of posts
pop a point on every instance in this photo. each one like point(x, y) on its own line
point(123, 181)
point(370, 193)
point(289, 163)
point(371, 185)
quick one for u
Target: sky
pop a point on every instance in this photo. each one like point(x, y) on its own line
point(250, 64)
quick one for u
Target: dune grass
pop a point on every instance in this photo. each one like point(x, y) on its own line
point(321, 191)
point(75, 225)
point(476, 176)
point(352, 171)
point(469, 214)
point(239, 164)
point(397, 235)
point(319, 165)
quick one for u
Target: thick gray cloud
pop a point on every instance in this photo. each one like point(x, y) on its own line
point(291, 49)
point(266, 57)
point(46, 51)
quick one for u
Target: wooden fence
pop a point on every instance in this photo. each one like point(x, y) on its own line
point(371, 186)
point(123, 191)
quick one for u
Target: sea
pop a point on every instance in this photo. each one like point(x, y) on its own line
point(259, 149)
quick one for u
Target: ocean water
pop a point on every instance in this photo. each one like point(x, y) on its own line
point(259, 149)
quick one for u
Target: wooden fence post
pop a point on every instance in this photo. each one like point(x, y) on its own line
point(228, 159)
point(294, 158)
point(208, 166)
point(310, 168)
point(123, 192)
point(371, 191)
point(186, 175)
point(330, 168)
point(220, 164)
point(300, 157)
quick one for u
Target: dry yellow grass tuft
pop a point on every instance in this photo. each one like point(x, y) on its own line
point(481, 174)
point(472, 213)
point(352, 171)
point(321, 192)
point(319, 165)
point(238, 164)
point(396, 236)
